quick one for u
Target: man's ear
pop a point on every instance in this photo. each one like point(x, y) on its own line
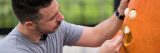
point(30, 25)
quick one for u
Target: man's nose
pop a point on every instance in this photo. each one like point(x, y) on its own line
point(60, 17)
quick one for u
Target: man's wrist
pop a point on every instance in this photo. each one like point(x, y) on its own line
point(119, 16)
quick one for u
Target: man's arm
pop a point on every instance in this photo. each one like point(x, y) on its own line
point(95, 36)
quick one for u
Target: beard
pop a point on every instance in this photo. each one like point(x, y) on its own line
point(40, 30)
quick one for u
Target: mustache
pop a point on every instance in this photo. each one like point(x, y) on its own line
point(59, 22)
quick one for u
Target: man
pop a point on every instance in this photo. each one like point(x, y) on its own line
point(42, 30)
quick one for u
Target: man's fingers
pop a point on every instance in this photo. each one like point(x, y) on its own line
point(117, 40)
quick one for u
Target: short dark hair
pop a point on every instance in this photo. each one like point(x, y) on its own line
point(29, 9)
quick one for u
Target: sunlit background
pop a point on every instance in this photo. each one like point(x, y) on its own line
point(83, 12)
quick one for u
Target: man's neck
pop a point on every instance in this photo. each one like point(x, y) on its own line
point(31, 35)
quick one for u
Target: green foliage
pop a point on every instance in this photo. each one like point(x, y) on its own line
point(7, 19)
point(76, 11)
point(86, 12)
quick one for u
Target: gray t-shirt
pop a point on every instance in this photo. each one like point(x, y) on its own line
point(66, 34)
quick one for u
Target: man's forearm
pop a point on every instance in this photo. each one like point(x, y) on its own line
point(95, 36)
point(107, 29)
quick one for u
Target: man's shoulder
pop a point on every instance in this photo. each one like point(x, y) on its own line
point(10, 44)
point(8, 41)
point(11, 39)
point(69, 26)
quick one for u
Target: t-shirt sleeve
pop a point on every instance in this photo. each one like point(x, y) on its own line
point(72, 33)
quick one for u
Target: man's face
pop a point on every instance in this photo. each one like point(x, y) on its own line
point(50, 18)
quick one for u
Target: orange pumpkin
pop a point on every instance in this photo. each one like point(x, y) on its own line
point(144, 27)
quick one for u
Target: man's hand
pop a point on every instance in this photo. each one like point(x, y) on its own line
point(112, 46)
point(123, 5)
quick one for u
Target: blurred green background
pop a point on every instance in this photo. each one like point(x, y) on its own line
point(83, 12)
